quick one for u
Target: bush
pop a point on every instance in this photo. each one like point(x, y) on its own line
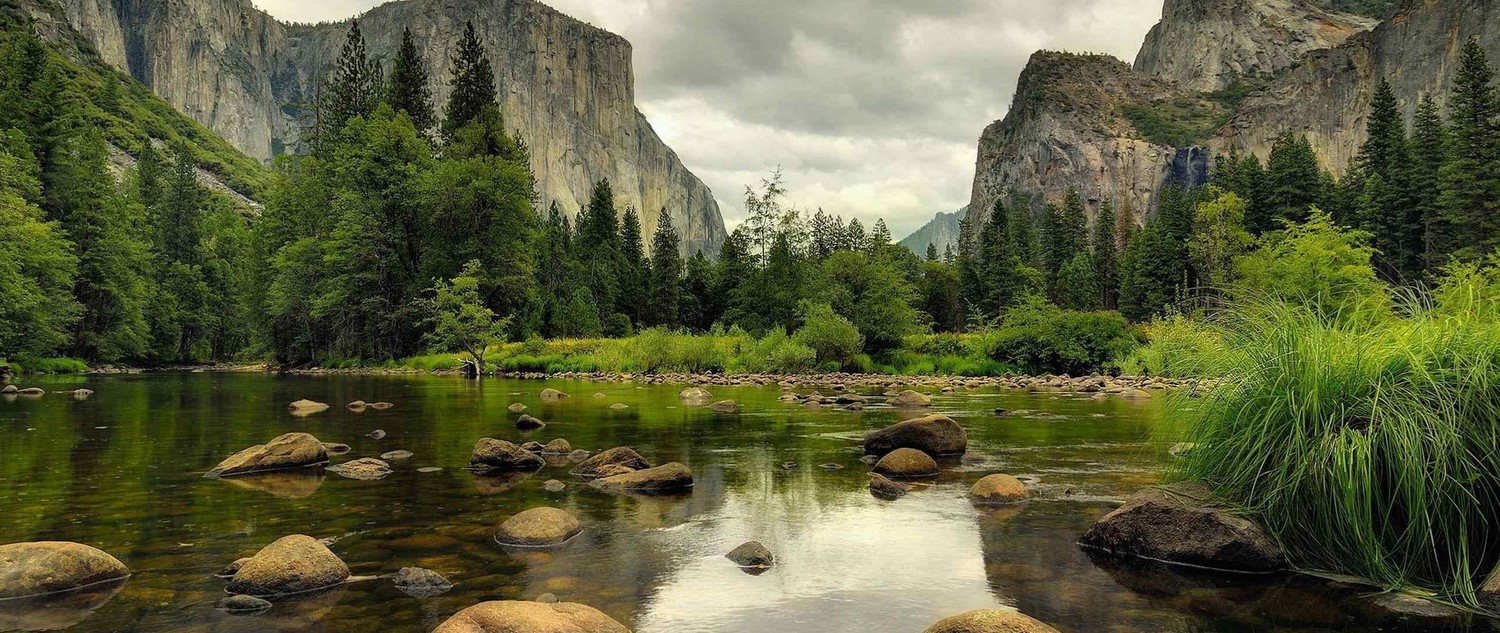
point(832, 337)
point(1366, 448)
point(777, 353)
point(1044, 339)
point(1175, 347)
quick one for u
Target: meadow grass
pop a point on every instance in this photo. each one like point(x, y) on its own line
point(1367, 445)
point(30, 365)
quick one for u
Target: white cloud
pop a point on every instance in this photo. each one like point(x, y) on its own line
point(873, 108)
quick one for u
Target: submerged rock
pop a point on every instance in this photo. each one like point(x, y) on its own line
point(1175, 524)
point(233, 568)
point(516, 407)
point(293, 564)
point(907, 463)
point(551, 394)
point(618, 456)
point(306, 407)
point(381, 406)
point(393, 456)
point(357, 406)
point(670, 477)
point(697, 395)
point(1405, 611)
point(578, 455)
point(533, 447)
point(493, 454)
point(240, 603)
point(619, 406)
point(514, 616)
point(558, 446)
point(990, 621)
point(335, 448)
point(538, 527)
point(363, 469)
point(376, 434)
point(553, 485)
point(82, 394)
point(998, 489)
point(420, 583)
point(292, 450)
point(43, 567)
point(884, 488)
point(935, 434)
point(909, 398)
point(725, 406)
point(751, 554)
point(529, 423)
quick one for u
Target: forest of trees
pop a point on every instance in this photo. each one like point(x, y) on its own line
point(396, 198)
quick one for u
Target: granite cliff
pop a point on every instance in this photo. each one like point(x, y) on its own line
point(567, 87)
point(941, 232)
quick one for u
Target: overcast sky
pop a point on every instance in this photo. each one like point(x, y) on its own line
point(873, 108)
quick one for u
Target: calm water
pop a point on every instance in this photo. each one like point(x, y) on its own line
point(123, 471)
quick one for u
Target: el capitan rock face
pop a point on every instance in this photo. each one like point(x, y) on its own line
point(566, 86)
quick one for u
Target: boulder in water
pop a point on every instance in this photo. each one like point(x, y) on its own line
point(538, 527)
point(553, 485)
point(907, 463)
point(43, 567)
point(292, 450)
point(618, 456)
point(534, 447)
point(363, 469)
point(667, 478)
point(551, 394)
point(32, 391)
point(514, 616)
point(751, 554)
point(397, 455)
point(293, 564)
point(935, 434)
point(578, 455)
point(493, 454)
point(725, 406)
point(381, 406)
point(357, 406)
point(335, 448)
point(233, 568)
point(9, 389)
point(884, 488)
point(240, 603)
point(420, 583)
point(990, 621)
point(909, 399)
point(529, 423)
point(998, 489)
point(82, 394)
point(306, 407)
point(558, 446)
point(696, 395)
point(516, 407)
point(1176, 524)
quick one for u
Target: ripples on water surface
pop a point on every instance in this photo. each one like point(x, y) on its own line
point(123, 471)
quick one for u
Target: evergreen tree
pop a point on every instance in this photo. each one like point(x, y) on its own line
point(880, 236)
point(408, 90)
point(827, 235)
point(352, 91)
point(666, 275)
point(1471, 176)
point(1383, 207)
point(932, 252)
point(854, 236)
point(634, 269)
point(1106, 256)
point(701, 306)
point(37, 265)
point(1078, 283)
point(1291, 186)
point(472, 82)
point(1429, 152)
point(598, 246)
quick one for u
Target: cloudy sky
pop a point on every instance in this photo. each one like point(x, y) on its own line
point(872, 108)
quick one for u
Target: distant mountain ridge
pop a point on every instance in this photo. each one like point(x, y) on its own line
point(941, 232)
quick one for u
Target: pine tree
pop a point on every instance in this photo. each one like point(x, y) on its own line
point(1078, 283)
point(880, 236)
point(1106, 256)
point(666, 275)
point(473, 83)
point(827, 235)
point(408, 90)
point(1291, 185)
point(181, 226)
point(932, 252)
point(352, 91)
point(1384, 206)
point(854, 236)
point(1429, 152)
point(1471, 177)
point(700, 307)
point(1385, 134)
point(598, 246)
point(634, 270)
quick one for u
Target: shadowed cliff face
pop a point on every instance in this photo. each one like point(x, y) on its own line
point(565, 86)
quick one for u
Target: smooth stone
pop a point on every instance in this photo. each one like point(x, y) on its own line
point(293, 564)
point(512, 616)
point(528, 423)
point(909, 398)
point(553, 485)
point(935, 434)
point(429, 469)
point(990, 621)
point(667, 478)
point(233, 568)
point(420, 583)
point(998, 489)
point(751, 554)
point(357, 406)
point(240, 603)
point(307, 407)
point(907, 463)
point(619, 456)
point(551, 394)
point(538, 527)
point(82, 394)
point(1176, 524)
point(377, 434)
point(381, 406)
point(43, 567)
point(292, 450)
point(547, 598)
point(533, 447)
point(363, 469)
point(725, 406)
point(493, 454)
point(695, 394)
point(884, 488)
point(557, 446)
point(516, 407)
point(397, 455)
point(9, 389)
point(32, 391)
point(335, 448)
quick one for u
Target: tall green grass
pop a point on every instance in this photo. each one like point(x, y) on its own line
point(1368, 445)
point(32, 365)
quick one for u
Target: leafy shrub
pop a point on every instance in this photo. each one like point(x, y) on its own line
point(1042, 338)
point(1317, 264)
point(832, 337)
point(1175, 348)
point(777, 353)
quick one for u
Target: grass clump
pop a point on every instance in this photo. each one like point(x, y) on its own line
point(34, 365)
point(1368, 445)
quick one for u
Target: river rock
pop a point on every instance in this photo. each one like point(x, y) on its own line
point(293, 564)
point(394, 456)
point(306, 407)
point(884, 488)
point(532, 447)
point(751, 554)
point(240, 603)
point(357, 406)
point(292, 450)
point(551, 394)
point(515, 616)
point(420, 583)
point(998, 489)
point(377, 434)
point(619, 406)
point(907, 463)
point(538, 527)
point(725, 406)
point(381, 406)
point(233, 568)
point(32, 391)
point(578, 455)
point(547, 598)
point(529, 423)
point(935, 434)
point(610, 470)
point(1175, 524)
point(363, 469)
point(909, 398)
point(9, 389)
point(558, 446)
point(335, 448)
point(493, 454)
point(82, 394)
point(989, 621)
point(553, 485)
point(695, 395)
point(670, 477)
point(619, 456)
point(43, 567)
point(516, 407)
